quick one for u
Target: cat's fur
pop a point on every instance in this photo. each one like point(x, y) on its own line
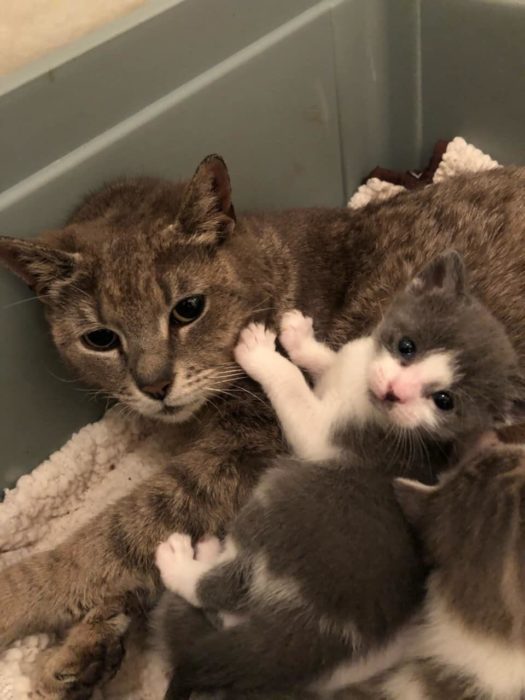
point(135, 245)
point(320, 568)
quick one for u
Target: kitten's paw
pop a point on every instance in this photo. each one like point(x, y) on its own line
point(174, 552)
point(179, 570)
point(208, 549)
point(255, 344)
point(296, 330)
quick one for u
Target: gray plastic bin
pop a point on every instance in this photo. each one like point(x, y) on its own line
point(302, 98)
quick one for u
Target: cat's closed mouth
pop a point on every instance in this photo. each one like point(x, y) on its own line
point(172, 410)
point(179, 412)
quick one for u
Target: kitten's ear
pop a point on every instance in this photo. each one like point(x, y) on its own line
point(515, 413)
point(38, 265)
point(413, 497)
point(206, 214)
point(445, 273)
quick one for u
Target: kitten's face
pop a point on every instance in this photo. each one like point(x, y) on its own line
point(148, 316)
point(443, 364)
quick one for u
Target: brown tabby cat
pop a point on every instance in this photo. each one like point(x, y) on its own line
point(146, 289)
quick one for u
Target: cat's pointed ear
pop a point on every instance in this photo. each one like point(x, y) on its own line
point(414, 498)
point(206, 214)
point(38, 265)
point(445, 273)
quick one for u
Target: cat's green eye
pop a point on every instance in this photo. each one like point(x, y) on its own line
point(101, 340)
point(188, 309)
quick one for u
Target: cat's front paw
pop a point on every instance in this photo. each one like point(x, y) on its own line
point(256, 347)
point(90, 655)
point(296, 330)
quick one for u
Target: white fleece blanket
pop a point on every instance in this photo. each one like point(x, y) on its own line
point(104, 461)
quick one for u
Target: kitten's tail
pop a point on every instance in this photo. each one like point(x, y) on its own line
point(252, 657)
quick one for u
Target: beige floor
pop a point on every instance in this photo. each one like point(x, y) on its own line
point(31, 28)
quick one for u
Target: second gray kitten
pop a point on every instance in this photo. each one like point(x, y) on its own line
point(320, 572)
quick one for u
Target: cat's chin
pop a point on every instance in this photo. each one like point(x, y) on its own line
point(167, 414)
point(179, 414)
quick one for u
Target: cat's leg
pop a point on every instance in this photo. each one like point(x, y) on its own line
point(91, 654)
point(298, 339)
point(112, 557)
point(305, 418)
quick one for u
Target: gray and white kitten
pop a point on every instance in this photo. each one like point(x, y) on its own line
point(470, 641)
point(320, 571)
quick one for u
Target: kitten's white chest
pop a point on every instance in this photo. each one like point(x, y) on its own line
point(496, 668)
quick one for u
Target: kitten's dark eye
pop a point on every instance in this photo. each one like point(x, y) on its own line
point(188, 309)
point(406, 347)
point(101, 340)
point(443, 400)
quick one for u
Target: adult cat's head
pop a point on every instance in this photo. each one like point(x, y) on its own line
point(141, 291)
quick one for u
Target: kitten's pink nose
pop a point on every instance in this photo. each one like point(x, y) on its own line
point(390, 395)
point(404, 388)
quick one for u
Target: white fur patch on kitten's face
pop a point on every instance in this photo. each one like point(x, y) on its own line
point(412, 395)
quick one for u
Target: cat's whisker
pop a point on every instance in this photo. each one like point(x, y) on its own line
point(230, 372)
point(221, 391)
point(215, 406)
point(252, 394)
point(261, 307)
point(63, 379)
point(226, 380)
point(226, 377)
point(82, 292)
point(19, 302)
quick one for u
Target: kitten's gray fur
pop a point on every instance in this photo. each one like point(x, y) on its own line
point(132, 249)
point(469, 641)
point(325, 570)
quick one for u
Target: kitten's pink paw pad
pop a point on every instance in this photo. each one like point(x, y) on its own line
point(172, 553)
point(254, 341)
point(208, 549)
point(295, 330)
